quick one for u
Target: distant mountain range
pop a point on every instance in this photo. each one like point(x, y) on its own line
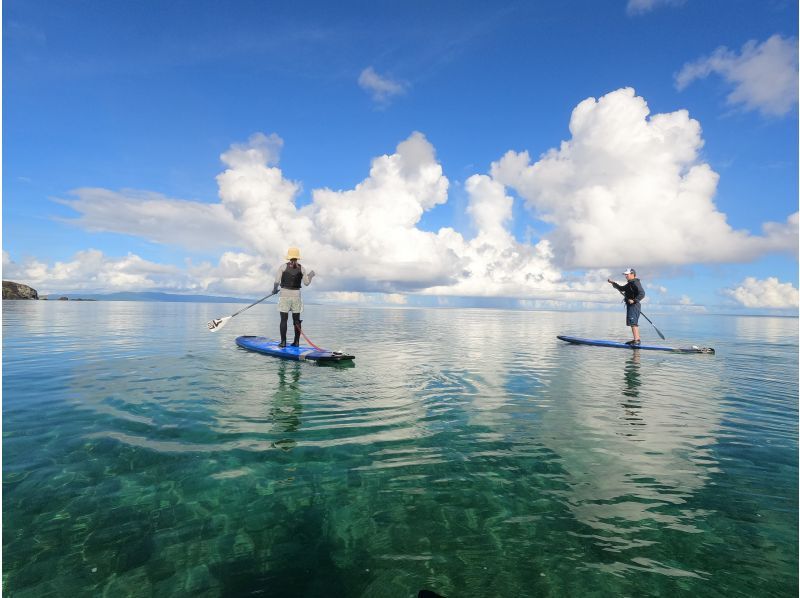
point(149, 296)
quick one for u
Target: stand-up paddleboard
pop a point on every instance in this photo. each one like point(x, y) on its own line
point(600, 343)
point(267, 346)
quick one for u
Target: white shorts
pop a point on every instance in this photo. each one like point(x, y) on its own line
point(290, 304)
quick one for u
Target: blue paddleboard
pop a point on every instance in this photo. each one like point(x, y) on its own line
point(267, 346)
point(600, 343)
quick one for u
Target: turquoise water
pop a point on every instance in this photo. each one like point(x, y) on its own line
point(468, 452)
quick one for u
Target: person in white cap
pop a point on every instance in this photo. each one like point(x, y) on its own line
point(633, 293)
point(288, 280)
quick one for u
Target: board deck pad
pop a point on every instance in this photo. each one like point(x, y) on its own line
point(268, 346)
point(617, 345)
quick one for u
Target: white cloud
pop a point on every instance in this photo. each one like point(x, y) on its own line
point(685, 308)
point(370, 232)
point(764, 76)
point(259, 150)
point(628, 183)
point(624, 180)
point(638, 7)
point(493, 262)
point(91, 271)
point(381, 88)
point(394, 298)
point(767, 293)
point(235, 272)
point(154, 217)
point(364, 239)
point(351, 297)
point(258, 198)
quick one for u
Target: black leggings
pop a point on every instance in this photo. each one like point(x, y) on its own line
point(295, 321)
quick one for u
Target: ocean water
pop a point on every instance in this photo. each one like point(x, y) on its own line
point(468, 452)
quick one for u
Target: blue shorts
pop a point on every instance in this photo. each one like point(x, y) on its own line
point(632, 314)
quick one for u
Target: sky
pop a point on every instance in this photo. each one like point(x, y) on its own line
point(452, 153)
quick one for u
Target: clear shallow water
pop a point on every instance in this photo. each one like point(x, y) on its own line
point(468, 452)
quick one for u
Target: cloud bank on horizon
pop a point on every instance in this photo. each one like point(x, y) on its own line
point(769, 293)
point(624, 178)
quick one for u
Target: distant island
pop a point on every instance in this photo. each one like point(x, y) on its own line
point(148, 296)
point(15, 290)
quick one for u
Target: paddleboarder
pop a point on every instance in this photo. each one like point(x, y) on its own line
point(288, 279)
point(633, 293)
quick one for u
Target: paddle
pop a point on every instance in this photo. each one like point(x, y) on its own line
point(646, 318)
point(215, 325)
point(654, 326)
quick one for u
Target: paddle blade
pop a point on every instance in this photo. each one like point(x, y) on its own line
point(663, 338)
point(215, 325)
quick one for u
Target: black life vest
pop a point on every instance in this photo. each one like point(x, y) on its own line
point(292, 277)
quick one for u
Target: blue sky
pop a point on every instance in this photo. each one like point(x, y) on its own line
point(184, 146)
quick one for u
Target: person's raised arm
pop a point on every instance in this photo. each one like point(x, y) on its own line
point(308, 276)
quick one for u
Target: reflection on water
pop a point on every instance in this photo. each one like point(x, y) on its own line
point(633, 375)
point(637, 448)
point(631, 404)
point(766, 329)
point(286, 408)
point(469, 452)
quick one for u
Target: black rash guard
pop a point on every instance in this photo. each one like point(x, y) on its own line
point(632, 290)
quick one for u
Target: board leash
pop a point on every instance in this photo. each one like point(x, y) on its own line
point(308, 340)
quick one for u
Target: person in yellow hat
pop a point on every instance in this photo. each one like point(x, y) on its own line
point(288, 279)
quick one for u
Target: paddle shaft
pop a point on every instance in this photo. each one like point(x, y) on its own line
point(252, 304)
point(215, 325)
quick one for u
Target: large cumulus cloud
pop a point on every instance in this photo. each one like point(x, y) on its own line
point(365, 238)
point(631, 183)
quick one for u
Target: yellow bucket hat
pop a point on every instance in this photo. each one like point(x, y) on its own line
point(293, 253)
